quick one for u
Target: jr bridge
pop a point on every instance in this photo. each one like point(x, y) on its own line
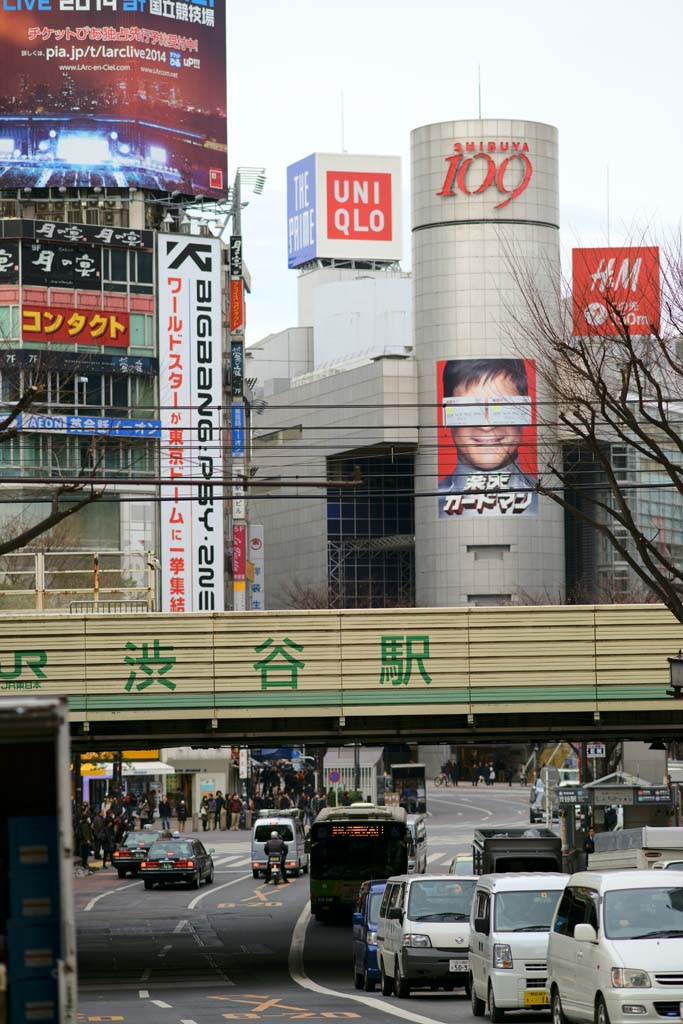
point(370, 676)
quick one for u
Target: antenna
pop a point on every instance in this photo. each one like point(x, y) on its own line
point(608, 204)
point(479, 88)
point(341, 112)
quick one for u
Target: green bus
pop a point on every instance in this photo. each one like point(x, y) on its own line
point(348, 846)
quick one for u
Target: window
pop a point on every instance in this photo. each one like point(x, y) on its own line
point(397, 896)
point(577, 906)
point(482, 908)
point(385, 900)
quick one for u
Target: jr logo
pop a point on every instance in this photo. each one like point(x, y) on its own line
point(35, 660)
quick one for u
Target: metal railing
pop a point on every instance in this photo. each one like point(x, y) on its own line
point(78, 581)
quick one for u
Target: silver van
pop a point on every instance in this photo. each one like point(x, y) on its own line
point(290, 828)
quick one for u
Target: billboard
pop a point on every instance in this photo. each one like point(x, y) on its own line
point(75, 326)
point(190, 379)
point(114, 93)
point(257, 559)
point(487, 455)
point(608, 284)
point(343, 207)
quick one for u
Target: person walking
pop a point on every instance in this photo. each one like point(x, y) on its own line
point(165, 813)
point(181, 811)
point(235, 811)
point(108, 838)
point(492, 774)
point(204, 812)
point(219, 804)
point(85, 838)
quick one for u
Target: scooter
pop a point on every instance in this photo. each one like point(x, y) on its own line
point(274, 864)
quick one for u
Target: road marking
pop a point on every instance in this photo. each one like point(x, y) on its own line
point(162, 1004)
point(179, 927)
point(261, 1004)
point(109, 892)
point(143, 993)
point(298, 974)
point(227, 860)
point(215, 888)
point(436, 856)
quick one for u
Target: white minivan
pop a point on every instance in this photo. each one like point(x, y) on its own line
point(422, 933)
point(509, 927)
point(616, 948)
point(417, 852)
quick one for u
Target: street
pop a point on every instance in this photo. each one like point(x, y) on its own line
point(240, 950)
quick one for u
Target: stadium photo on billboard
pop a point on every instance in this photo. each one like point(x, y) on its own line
point(104, 97)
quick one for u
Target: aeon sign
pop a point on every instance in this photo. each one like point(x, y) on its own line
point(475, 167)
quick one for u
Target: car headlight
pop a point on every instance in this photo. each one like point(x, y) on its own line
point(371, 938)
point(417, 941)
point(630, 977)
point(502, 956)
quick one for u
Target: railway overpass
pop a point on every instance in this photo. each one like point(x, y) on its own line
point(451, 674)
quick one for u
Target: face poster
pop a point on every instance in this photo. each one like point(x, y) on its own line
point(486, 439)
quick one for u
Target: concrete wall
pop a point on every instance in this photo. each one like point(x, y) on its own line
point(361, 314)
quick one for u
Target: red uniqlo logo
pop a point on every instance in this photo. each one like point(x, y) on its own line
point(215, 177)
point(359, 206)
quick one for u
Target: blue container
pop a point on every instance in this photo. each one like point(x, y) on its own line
point(33, 1002)
point(32, 842)
point(33, 895)
point(33, 950)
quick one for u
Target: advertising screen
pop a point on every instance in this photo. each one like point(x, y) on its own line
point(487, 444)
point(114, 93)
point(616, 283)
point(341, 206)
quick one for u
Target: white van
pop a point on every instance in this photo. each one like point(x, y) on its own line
point(422, 933)
point(291, 830)
point(616, 948)
point(510, 923)
point(417, 854)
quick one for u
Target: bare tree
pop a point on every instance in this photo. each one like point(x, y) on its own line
point(66, 499)
point(623, 387)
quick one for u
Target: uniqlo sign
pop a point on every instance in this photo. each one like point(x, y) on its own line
point(359, 205)
point(615, 287)
point(341, 206)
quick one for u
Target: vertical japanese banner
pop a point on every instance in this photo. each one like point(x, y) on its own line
point(192, 557)
point(257, 559)
point(486, 441)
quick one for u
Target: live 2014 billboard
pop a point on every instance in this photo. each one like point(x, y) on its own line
point(113, 93)
point(487, 444)
point(341, 206)
point(190, 381)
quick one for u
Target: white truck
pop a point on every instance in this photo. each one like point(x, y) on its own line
point(37, 932)
point(636, 848)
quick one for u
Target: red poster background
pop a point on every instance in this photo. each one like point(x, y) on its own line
point(592, 282)
point(447, 456)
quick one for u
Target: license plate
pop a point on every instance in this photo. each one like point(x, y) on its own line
point(458, 965)
point(167, 867)
point(536, 998)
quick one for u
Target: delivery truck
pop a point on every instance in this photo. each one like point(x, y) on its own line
point(37, 933)
point(516, 849)
point(644, 847)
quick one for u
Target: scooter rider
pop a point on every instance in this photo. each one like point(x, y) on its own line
point(276, 845)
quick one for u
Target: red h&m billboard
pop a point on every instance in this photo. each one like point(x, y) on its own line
point(615, 288)
point(487, 453)
point(113, 93)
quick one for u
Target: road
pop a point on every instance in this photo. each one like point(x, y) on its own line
point(239, 950)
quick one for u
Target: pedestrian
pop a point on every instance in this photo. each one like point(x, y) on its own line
point(475, 775)
point(165, 813)
point(249, 811)
point(143, 812)
point(522, 775)
point(482, 775)
point(152, 801)
point(235, 811)
point(97, 825)
point(219, 804)
point(204, 812)
point(108, 838)
point(492, 774)
point(285, 803)
point(508, 776)
point(181, 811)
point(85, 838)
point(455, 773)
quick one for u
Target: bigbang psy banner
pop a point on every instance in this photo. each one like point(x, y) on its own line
point(113, 93)
point(487, 446)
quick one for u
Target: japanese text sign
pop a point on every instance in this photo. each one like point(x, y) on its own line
point(614, 289)
point(75, 326)
point(190, 385)
point(236, 305)
point(106, 426)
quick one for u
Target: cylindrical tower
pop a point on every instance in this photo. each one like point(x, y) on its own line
point(485, 209)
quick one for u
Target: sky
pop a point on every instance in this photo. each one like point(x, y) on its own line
point(608, 75)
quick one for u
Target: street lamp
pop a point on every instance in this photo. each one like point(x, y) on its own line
point(676, 676)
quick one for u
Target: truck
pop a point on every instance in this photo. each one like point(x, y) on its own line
point(644, 847)
point(409, 781)
point(515, 849)
point(37, 929)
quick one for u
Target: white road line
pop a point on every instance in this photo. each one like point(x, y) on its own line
point(179, 927)
point(437, 856)
point(226, 860)
point(241, 863)
point(162, 1004)
point(298, 974)
point(143, 993)
point(109, 892)
point(188, 1022)
point(214, 888)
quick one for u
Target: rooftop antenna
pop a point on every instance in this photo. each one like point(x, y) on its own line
point(608, 226)
point(479, 88)
point(341, 111)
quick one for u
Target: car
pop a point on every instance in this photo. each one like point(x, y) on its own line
point(133, 849)
point(177, 860)
point(365, 918)
point(462, 864)
point(289, 827)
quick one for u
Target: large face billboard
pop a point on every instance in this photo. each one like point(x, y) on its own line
point(487, 445)
point(343, 207)
point(615, 288)
point(114, 93)
point(190, 383)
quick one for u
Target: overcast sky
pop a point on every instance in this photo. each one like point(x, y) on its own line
point(607, 74)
